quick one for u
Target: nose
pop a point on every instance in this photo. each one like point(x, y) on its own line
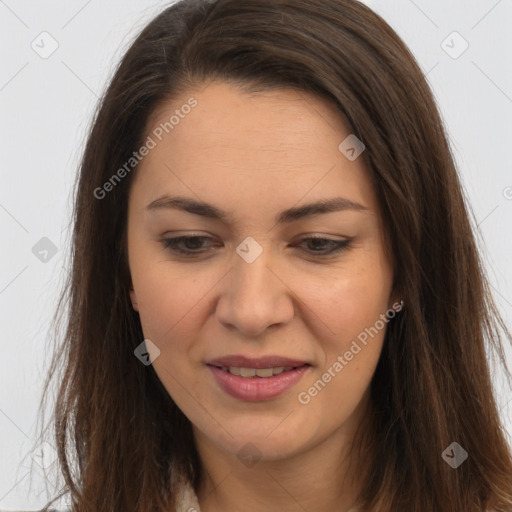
point(254, 296)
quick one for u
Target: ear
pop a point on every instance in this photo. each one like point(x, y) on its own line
point(133, 298)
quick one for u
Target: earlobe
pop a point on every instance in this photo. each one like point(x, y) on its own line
point(133, 298)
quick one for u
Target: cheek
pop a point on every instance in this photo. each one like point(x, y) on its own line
point(175, 302)
point(350, 351)
point(167, 300)
point(353, 309)
point(351, 300)
point(169, 309)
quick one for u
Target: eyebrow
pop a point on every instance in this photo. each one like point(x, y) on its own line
point(334, 204)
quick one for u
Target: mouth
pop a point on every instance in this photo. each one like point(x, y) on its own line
point(252, 384)
point(255, 373)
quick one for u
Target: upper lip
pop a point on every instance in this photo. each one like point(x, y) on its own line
point(238, 361)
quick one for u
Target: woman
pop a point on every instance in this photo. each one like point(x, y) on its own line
point(276, 300)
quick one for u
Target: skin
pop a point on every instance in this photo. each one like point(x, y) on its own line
point(254, 156)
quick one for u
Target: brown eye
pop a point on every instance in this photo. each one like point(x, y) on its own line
point(193, 244)
point(335, 246)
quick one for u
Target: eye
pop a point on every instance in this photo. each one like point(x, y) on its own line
point(193, 245)
point(336, 246)
point(174, 244)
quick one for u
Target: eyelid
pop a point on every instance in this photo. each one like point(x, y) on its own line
point(170, 243)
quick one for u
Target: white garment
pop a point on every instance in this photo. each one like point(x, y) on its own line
point(188, 500)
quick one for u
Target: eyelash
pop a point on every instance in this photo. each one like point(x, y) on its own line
point(172, 245)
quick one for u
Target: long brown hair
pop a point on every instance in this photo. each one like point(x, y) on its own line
point(123, 445)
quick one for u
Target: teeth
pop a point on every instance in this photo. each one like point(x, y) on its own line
point(247, 372)
point(256, 372)
point(265, 372)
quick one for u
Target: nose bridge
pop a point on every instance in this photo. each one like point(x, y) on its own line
point(252, 277)
point(255, 297)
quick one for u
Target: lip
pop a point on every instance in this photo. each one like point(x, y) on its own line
point(257, 389)
point(240, 361)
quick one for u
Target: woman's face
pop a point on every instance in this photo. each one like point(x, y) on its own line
point(254, 287)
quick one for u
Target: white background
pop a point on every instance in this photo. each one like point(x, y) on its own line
point(46, 106)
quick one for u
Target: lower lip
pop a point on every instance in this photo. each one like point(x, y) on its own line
point(257, 388)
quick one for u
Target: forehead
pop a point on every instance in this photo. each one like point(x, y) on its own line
point(273, 119)
point(280, 144)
